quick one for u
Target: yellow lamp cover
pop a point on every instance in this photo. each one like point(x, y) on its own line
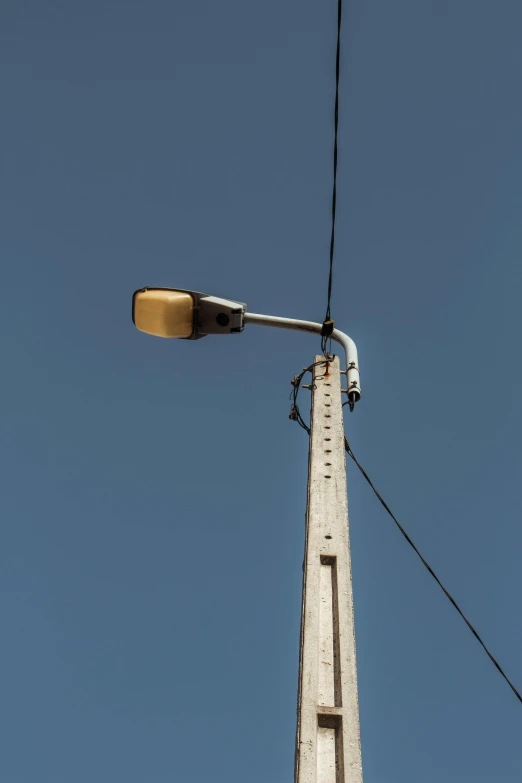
point(163, 312)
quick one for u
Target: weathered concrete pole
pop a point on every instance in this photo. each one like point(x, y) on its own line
point(328, 746)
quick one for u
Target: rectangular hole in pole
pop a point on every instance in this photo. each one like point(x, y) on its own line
point(330, 690)
point(330, 757)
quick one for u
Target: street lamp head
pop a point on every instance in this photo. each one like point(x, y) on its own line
point(189, 315)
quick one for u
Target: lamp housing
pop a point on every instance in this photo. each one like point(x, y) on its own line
point(186, 315)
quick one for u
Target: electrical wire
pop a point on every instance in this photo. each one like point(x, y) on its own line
point(430, 570)
point(295, 415)
point(328, 323)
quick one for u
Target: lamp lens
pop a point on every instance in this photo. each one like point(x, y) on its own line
point(163, 313)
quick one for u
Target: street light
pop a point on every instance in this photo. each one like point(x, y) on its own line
point(328, 737)
point(190, 315)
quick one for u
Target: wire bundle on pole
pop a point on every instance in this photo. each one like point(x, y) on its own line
point(295, 413)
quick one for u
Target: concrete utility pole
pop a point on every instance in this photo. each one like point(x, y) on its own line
point(328, 745)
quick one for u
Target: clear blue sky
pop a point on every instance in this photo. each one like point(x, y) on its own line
point(153, 492)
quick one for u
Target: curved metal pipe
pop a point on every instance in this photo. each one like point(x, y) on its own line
point(352, 366)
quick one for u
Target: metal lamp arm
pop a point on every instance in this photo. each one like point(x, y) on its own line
point(352, 366)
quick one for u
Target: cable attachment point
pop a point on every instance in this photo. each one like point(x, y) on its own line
point(293, 413)
point(327, 328)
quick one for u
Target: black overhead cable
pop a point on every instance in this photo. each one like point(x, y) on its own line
point(431, 571)
point(295, 415)
point(328, 324)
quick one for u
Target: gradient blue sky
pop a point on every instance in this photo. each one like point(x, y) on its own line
point(153, 492)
